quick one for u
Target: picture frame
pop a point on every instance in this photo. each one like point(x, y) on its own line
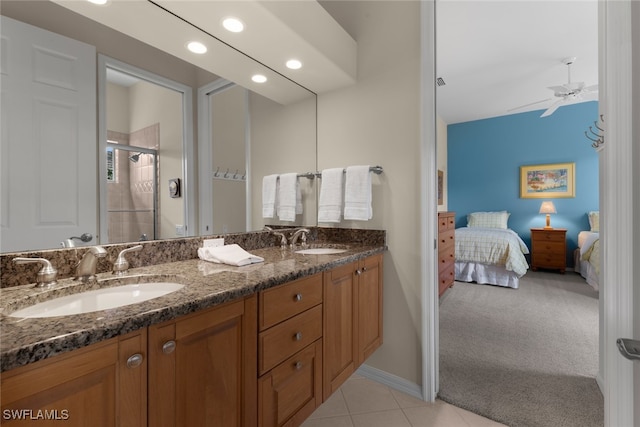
point(440, 187)
point(547, 181)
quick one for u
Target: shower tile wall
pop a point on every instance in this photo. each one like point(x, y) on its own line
point(131, 197)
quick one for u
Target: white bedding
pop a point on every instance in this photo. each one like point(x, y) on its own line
point(587, 259)
point(490, 256)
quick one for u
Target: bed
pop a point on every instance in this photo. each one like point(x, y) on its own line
point(487, 252)
point(587, 255)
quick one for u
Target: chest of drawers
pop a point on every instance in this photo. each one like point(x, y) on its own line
point(446, 250)
point(548, 248)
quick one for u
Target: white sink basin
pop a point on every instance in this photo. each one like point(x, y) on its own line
point(321, 251)
point(99, 299)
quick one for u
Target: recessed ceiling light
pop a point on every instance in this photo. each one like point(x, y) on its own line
point(197, 47)
point(259, 78)
point(99, 2)
point(294, 64)
point(233, 24)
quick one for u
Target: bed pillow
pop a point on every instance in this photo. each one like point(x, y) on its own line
point(488, 219)
point(594, 220)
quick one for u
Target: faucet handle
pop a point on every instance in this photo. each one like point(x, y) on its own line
point(47, 274)
point(121, 265)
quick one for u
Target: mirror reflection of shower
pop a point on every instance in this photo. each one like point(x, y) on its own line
point(132, 201)
point(143, 120)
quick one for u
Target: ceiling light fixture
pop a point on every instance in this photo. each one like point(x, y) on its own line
point(98, 2)
point(233, 24)
point(294, 64)
point(197, 47)
point(259, 78)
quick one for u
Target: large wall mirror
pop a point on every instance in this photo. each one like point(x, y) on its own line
point(226, 138)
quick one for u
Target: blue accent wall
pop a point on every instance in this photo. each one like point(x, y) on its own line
point(484, 159)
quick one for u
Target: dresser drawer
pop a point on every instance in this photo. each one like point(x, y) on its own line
point(446, 239)
point(550, 247)
point(283, 340)
point(446, 276)
point(446, 222)
point(548, 237)
point(285, 301)
point(548, 261)
point(446, 256)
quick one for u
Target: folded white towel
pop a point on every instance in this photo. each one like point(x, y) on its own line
point(357, 193)
point(287, 196)
point(331, 193)
point(269, 191)
point(228, 254)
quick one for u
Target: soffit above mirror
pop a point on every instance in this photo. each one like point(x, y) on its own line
point(273, 31)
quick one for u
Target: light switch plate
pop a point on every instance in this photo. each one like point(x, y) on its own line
point(212, 243)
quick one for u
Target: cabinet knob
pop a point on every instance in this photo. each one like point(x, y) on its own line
point(297, 297)
point(169, 347)
point(364, 269)
point(297, 365)
point(358, 272)
point(134, 361)
point(297, 336)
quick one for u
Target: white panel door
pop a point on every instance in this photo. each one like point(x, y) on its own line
point(48, 152)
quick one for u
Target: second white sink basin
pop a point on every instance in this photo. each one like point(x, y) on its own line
point(99, 299)
point(320, 251)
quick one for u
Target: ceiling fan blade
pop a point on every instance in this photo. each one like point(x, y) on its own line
point(553, 108)
point(530, 104)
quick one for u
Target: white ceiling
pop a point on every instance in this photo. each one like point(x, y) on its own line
point(495, 56)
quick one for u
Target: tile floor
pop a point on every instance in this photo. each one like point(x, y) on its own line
point(362, 402)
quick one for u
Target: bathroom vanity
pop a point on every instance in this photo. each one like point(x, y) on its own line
point(259, 345)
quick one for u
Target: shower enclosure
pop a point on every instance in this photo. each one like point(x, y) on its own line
point(132, 177)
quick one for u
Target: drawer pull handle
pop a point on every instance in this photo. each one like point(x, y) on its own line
point(297, 336)
point(169, 347)
point(134, 361)
point(297, 365)
point(297, 297)
point(358, 272)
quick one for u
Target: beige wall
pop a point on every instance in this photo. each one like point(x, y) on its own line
point(377, 121)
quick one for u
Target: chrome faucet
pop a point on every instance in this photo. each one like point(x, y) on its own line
point(47, 274)
point(122, 265)
point(86, 268)
point(300, 233)
point(283, 238)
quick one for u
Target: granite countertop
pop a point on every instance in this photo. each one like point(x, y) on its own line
point(27, 340)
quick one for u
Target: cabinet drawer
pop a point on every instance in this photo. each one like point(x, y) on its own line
point(446, 276)
point(550, 248)
point(548, 237)
point(281, 341)
point(282, 302)
point(446, 222)
point(292, 390)
point(446, 239)
point(446, 256)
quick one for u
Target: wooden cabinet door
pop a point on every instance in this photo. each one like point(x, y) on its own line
point(339, 309)
point(202, 368)
point(91, 386)
point(369, 297)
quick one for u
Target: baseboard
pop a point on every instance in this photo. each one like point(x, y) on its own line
point(391, 380)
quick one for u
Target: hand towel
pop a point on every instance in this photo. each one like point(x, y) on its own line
point(357, 193)
point(228, 254)
point(287, 191)
point(331, 194)
point(269, 191)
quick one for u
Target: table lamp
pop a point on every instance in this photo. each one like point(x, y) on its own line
point(547, 207)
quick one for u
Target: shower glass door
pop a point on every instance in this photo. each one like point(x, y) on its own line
point(132, 201)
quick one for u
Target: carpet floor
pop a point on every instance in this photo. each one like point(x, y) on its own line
point(524, 357)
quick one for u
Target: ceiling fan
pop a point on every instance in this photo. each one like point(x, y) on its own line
point(568, 93)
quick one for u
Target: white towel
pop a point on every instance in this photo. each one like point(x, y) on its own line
point(357, 193)
point(228, 254)
point(287, 197)
point(269, 191)
point(331, 193)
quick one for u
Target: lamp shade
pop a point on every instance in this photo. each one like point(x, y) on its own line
point(547, 207)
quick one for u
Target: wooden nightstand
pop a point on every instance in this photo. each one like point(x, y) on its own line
point(549, 249)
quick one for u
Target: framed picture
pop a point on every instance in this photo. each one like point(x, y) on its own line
point(440, 187)
point(547, 181)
